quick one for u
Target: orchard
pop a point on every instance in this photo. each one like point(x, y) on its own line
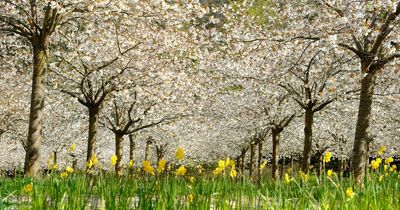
point(209, 104)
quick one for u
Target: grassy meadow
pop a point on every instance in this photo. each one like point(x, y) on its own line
point(193, 187)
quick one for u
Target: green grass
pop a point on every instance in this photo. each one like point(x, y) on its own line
point(107, 191)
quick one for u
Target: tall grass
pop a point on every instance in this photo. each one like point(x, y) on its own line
point(107, 191)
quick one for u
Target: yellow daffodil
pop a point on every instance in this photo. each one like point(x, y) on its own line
point(191, 179)
point(69, 169)
point(262, 166)
point(233, 173)
point(385, 167)
point(55, 166)
point(328, 156)
point(221, 164)
point(218, 171)
point(64, 174)
point(28, 188)
point(393, 168)
point(379, 160)
point(381, 178)
point(130, 165)
point(329, 172)
point(181, 171)
point(374, 164)
point(92, 162)
point(350, 193)
point(161, 165)
point(381, 150)
point(304, 176)
point(289, 170)
point(191, 197)
point(113, 160)
point(147, 167)
point(180, 153)
point(72, 148)
point(287, 178)
point(199, 169)
point(388, 160)
point(230, 163)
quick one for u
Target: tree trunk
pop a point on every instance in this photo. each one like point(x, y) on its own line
point(252, 158)
point(367, 158)
point(54, 157)
point(340, 165)
point(237, 162)
point(291, 163)
point(260, 145)
point(363, 121)
point(319, 165)
point(275, 154)
point(132, 147)
point(147, 152)
point(282, 167)
point(308, 123)
point(93, 124)
point(118, 152)
point(40, 56)
point(243, 156)
point(75, 164)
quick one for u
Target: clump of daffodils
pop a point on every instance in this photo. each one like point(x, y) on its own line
point(304, 176)
point(72, 148)
point(376, 163)
point(350, 193)
point(199, 169)
point(28, 188)
point(287, 178)
point(161, 166)
point(329, 173)
point(130, 164)
point(381, 150)
point(92, 162)
point(180, 153)
point(68, 170)
point(224, 164)
point(263, 165)
point(113, 160)
point(389, 160)
point(327, 157)
point(181, 171)
point(147, 167)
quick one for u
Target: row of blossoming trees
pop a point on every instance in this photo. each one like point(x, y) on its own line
point(218, 78)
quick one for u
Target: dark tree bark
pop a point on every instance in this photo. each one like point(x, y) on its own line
point(242, 163)
point(38, 33)
point(308, 124)
point(132, 147)
point(92, 131)
point(118, 152)
point(275, 153)
point(252, 158)
point(363, 124)
point(260, 146)
point(372, 60)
